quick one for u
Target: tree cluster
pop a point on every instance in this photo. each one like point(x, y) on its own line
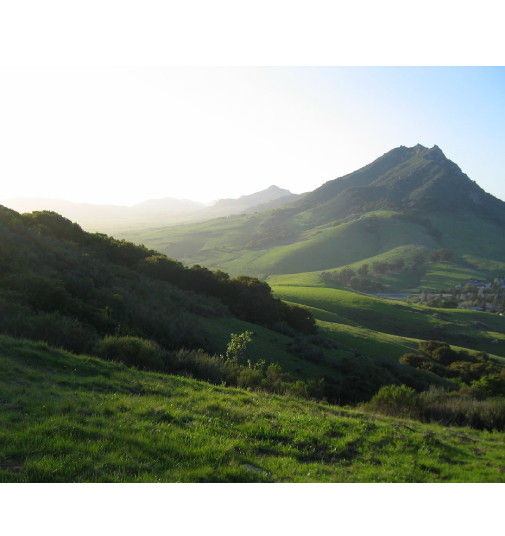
point(357, 279)
point(71, 288)
point(439, 358)
point(271, 231)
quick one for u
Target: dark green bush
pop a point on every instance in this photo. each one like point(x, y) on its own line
point(455, 408)
point(428, 347)
point(302, 348)
point(131, 351)
point(397, 401)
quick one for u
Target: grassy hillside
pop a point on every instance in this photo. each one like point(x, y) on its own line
point(68, 418)
point(93, 294)
point(478, 246)
point(409, 201)
point(383, 320)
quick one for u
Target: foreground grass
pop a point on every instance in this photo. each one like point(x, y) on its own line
point(66, 418)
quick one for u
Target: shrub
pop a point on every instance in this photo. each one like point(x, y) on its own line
point(413, 360)
point(456, 408)
point(131, 351)
point(238, 345)
point(397, 401)
point(445, 355)
point(249, 377)
point(304, 350)
point(492, 385)
point(428, 347)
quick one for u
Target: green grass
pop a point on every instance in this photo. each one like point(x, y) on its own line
point(66, 418)
point(388, 320)
point(219, 244)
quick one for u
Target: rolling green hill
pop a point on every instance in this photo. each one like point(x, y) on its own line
point(372, 322)
point(93, 294)
point(409, 201)
point(68, 418)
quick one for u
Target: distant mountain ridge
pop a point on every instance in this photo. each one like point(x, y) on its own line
point(251, 200)
point(163, 211)
point(76, 211)
point(247, 203)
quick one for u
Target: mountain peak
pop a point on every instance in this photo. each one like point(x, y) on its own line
point(404, 179)
point(435, 152)
point(421, 149)
point(273, 187)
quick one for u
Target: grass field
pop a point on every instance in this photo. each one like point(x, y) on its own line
point(67, 418)
point(387, 320)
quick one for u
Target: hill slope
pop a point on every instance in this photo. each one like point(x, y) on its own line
point(409, 201)
point(95, 294)
point(68, 418)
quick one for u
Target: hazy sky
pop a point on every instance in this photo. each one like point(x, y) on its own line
point(124, 135)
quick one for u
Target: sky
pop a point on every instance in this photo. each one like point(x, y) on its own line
point(123, 135)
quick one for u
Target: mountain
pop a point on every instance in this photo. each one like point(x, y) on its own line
point(79, 212)
point(247, 201)
point(274, 203)
point(257, 202)
point(415, 178)
point(101, 217)
point(154, 207)
point(153, 212)
point(409, 201)
point(171, 353)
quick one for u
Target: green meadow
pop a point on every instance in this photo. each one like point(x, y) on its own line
point(68, 418)
point(357, 318)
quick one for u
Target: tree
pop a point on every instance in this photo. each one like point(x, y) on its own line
point(379, 267)
point(237, 345)
point(362, 271)
point(397, 264)
point(345, 275)
point(445, 254)
point(417, 260)
point(433, 255)
point(437, 255)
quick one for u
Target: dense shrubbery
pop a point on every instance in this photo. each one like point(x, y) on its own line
point(356, 279)
point(457, 408)
point(70, 288)
point(248, 298)
point(131, 351)
point(271, 231)
point(232, 369)
point(442, 360)
point(480, 379)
